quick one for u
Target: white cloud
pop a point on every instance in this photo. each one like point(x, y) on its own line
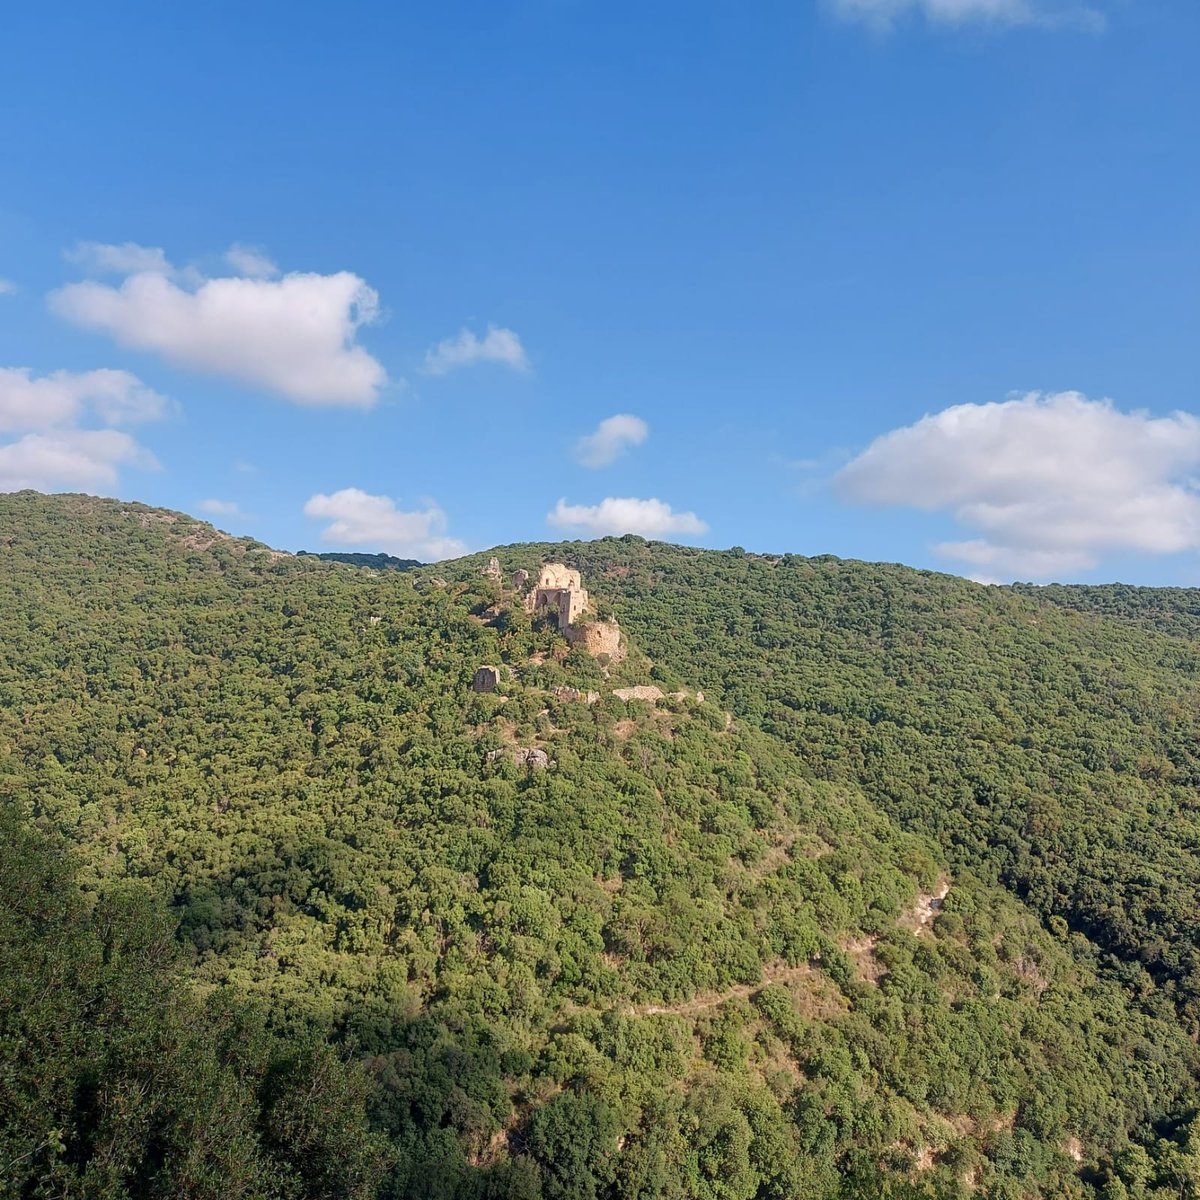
point(1045, 14)
point(1048, 484)
point(611, 438)
point(465, 349)
point(54, 451)
point(359, 519)
point(7, 287)
point(69, 458)
point(115, 397)
point(220, 508)
point(617, 515)
point(246, 260)
point(294, 335)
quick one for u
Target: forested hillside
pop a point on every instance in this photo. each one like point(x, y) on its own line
point(1048, 738)
point(904, 906)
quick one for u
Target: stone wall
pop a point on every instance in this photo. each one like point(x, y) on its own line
point(598, 637)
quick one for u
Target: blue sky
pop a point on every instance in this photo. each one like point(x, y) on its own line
point(911, 280)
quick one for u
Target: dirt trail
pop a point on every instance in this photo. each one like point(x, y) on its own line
point(776, 973)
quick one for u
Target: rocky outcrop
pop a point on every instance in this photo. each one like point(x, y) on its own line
point(487, 679)
point(492, 571)
point(528, 756)
point(520, 580)
point(574, 694)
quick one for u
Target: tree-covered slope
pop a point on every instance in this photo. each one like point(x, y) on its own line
point(693, 948)
point(1047, 738)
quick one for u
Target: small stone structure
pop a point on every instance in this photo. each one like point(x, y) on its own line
point(641, 692)
point(519, 580)
point(570, 693)
point(492, 571)
point(487, 679)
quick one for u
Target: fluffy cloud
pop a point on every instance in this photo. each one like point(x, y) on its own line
point(54, 451)
point(115, 397)
point(294, 335)
point(465, 350)
point(616, 515)
point(612, 437)
point(87, 459)
point(220, 508)
point(359, 519)
point(883, 14)
point(1048, 484)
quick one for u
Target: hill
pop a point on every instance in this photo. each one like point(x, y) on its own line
point(377, 562)
point(1044, 737)
point(840, 928)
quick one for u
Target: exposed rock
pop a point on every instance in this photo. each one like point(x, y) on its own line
point(570, 693)
point(641, 692)
point(492, 571)
point(487, 679)
point(529, 756)
point(519, 580)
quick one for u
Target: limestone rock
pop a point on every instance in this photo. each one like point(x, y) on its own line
point(570, 693)
point(492, 571)
point(528, 756)
point(487, 679)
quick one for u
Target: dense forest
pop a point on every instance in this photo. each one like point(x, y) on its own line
point(892, 893)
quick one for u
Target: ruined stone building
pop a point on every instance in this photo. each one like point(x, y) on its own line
point(558, 590)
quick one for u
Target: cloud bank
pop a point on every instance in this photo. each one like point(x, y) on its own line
point(294, 336)
point(50, 412)
point(610, 439)
point(1044, 14)
point(356, 518)
point(1047, 484)
point(114, 397)
point(618, 515)
point(501, 346)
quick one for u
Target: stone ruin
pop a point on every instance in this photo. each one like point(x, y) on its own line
point(487, 679)
point(558, 590)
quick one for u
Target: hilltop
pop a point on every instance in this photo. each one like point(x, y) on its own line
point(880, 892)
